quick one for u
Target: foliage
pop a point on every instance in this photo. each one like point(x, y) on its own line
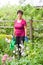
point(33, 51)
point(4, 46)
point(9, 12)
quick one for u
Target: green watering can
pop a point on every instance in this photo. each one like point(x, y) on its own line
point(12, 43)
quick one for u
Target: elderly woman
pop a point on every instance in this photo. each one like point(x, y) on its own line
point(20, 30)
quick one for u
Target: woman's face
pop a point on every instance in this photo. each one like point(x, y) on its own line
point(19, 15)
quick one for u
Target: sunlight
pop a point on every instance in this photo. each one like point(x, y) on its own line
point(11, 2)
point(16, 2)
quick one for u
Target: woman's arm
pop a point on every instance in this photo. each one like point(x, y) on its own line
point(14, 32)
point(26, 38)
point(25, 27)
point(14, 29)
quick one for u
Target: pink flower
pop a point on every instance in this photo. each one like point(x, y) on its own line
point(4, 58)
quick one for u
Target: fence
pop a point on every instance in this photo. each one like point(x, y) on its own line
point(32, 25)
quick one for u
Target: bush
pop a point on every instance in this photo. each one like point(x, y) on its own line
point(34, 54)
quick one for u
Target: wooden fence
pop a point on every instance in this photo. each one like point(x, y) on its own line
point(30, 28)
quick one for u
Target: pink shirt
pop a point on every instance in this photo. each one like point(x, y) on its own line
point(19, 28)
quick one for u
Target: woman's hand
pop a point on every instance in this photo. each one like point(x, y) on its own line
point(26, 39)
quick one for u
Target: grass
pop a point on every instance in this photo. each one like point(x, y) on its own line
point(33, 51)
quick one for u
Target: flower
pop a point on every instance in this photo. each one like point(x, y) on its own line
point(4, 58)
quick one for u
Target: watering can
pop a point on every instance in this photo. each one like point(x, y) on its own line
point(12, 43)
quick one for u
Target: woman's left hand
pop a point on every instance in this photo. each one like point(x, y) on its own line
point(26, 38)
